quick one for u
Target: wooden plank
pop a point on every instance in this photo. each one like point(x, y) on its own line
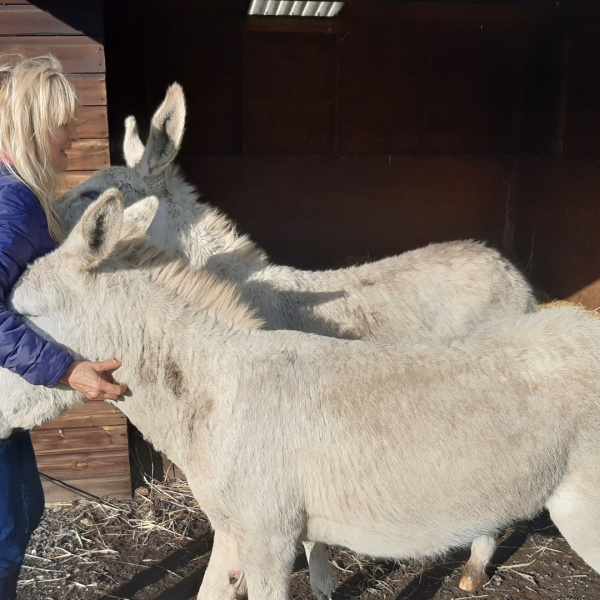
point(90, 413)
point(30, 20)
point(558, 232)
point(91, 89)
point(93, 122)
point(383, 92)
point(73, 178)
point(187, 18)
point(583, 94)
point(118, 487)
point(89, 155)
point(336, 207)
point(170, 469)
point(79, 439)
point(270, 114)
point(212, 88)
point(296, 140)
point(588, 296)
point(78, 54)
point(275, 120)
point(282, 51)
point(51, 4)
point(83, 465)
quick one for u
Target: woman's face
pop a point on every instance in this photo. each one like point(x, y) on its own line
point(61, 139)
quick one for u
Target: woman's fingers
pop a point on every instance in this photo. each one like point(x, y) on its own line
point(108, 389)
point(90, 378)
point(111, 391)
point(108, 365)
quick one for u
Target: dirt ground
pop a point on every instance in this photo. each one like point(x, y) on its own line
point(157, 546)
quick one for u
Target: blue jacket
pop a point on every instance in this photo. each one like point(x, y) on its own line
point(23, 238)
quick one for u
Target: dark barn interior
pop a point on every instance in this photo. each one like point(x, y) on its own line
point(388, 127)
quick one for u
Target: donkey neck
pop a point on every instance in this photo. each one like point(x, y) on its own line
point(174, 355)
point(203, 235)
point(182, 386)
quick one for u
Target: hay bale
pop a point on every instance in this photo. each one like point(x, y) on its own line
point(569, 304)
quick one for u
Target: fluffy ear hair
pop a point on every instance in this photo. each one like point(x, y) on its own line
point(166, 132)
point(142, 213)
point(100, 227)
point(133, 148)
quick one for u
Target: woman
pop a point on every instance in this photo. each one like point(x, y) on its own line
point(38, 108)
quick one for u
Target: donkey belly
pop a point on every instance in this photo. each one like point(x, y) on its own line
point(388, 540)
point(397, 516)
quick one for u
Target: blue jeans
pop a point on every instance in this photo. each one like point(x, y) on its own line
point(21, 507)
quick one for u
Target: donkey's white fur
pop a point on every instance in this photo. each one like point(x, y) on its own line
point(439, 290)
point(286, 436)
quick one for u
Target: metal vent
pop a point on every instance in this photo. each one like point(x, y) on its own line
point(293, 8)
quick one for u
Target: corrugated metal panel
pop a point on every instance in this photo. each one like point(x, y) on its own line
point(294, 8)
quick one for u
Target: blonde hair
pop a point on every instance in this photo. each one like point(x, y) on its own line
point(35, 98)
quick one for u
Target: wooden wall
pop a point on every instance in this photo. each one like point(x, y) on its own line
point(558, 231)
point(86, 447)
point(397, 124)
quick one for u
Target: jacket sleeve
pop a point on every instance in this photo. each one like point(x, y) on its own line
point(22, 350)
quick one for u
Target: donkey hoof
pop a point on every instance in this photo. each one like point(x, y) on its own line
point(472, 582)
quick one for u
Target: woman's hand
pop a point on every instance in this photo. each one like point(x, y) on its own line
point(89, 379)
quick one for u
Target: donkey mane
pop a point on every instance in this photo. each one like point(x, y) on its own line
point(215, 224)
point(197, 287)
point(235, 243)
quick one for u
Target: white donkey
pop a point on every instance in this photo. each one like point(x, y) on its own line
point(439, 290)
point(286, 436)
point(442, 289)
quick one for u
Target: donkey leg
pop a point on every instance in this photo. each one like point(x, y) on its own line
point(223, 576)
point(321, 580)
point(267, 563)
point(474, 576)
point(575, 510)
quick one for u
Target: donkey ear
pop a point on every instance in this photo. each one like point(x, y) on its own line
point(100, 227)
point(142, 213)
point(133, 148)
point(166, 131)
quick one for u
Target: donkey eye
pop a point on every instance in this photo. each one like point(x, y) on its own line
point(90, 195)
